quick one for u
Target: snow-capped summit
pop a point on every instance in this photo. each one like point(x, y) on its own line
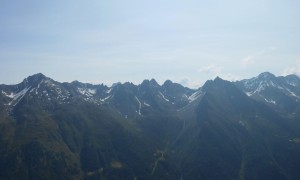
point(266, 87)
point(258, 84)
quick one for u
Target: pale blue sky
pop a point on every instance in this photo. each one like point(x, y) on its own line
point(106, 41)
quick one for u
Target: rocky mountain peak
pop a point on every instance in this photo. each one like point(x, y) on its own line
point(266, 75)
point(33, 80)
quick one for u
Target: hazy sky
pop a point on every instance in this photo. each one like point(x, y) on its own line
point(190, 41)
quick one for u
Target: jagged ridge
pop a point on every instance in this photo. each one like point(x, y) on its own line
point(223, 130)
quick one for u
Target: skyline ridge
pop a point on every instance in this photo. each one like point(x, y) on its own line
point(151, 79)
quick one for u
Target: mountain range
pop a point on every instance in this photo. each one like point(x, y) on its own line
point(248, 129)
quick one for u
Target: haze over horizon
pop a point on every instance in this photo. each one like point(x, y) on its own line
point(116, 41)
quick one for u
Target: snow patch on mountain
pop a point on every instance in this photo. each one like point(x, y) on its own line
point(11, 95)
point(292, 93)
point(254, 86)
point(249, 93)
point(270, 101)
point(260, 87)
point(161, 94)
point(109, 90)
point(292, 83)
point(195, 96)
point(48, 83)
point(184, 96)
point(140, 105)
point(87, 91)
point(18, 96)
point(32, 90)
point(106, 98)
